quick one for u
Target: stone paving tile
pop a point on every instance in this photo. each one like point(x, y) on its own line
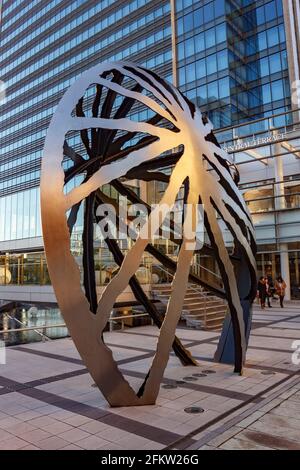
point(30, 447)
point(77, 420)
point(130, 443)
point(74, 435)
point(114, 435)
point(224, 437)
point(71, 447)
point(281, 421)
point(112, 446)
point(27, 415)
point(20, 428)
point(93, 427)
point(9, 421)
point(4, 435)
point(92, 443)
point(276, 430)
point(12, 443)
point(250, 419)
point(33, 437)
point(42, 422)
point(58, 427)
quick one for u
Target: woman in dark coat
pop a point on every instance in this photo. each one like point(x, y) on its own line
point(262, 291)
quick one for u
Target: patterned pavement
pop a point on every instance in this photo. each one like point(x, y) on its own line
point(47, 398)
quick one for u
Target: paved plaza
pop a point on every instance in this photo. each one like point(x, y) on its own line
point(48, 401)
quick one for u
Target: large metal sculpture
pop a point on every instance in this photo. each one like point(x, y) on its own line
point(97, 106)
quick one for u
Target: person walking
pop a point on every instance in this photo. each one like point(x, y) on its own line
point(268, 291)
point(262, 291)
point(280, 287)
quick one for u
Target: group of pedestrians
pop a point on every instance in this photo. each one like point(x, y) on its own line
point(267, 290)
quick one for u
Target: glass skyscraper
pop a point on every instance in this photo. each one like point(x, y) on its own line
point(235, 58)
point(45, 46)
point(232, 58)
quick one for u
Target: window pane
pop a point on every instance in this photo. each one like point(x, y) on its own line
point(219, 8)
point(275, 63)
point(189, 47)
point(211, 64)
point(262, 41)
point(210, 38)
point(224, 89)
point(188, 23)
point(199, 43)
point(270, 11)
point(200, 68)
point(198, 18)
point(212, 91)
point(222, 60)
point(208, 12)
point(190, 73)
point(277, 90)
point(272, 37)
point(264, 67)
point(221, 33)
point(266, 94)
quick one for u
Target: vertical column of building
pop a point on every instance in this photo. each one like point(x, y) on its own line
point(291, 11)
point(280, 203)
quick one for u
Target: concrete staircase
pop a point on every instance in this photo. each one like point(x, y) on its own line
point(201, 309)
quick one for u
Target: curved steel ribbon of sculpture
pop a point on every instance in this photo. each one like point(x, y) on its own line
point(115, 146)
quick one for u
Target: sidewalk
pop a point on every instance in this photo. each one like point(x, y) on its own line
point(47, 400)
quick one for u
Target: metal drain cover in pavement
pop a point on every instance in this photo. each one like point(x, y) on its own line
point(268, 372)
point(194, 409)
point(199, 374)
point(209, 371)
point(190, 379)
point(169, 386)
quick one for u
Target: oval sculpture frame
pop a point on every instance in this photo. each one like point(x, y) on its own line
point(216, 190)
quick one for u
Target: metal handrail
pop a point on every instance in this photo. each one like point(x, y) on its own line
point(33, 328)
point(198, 291)
point(208, 270)
point(63, 325)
